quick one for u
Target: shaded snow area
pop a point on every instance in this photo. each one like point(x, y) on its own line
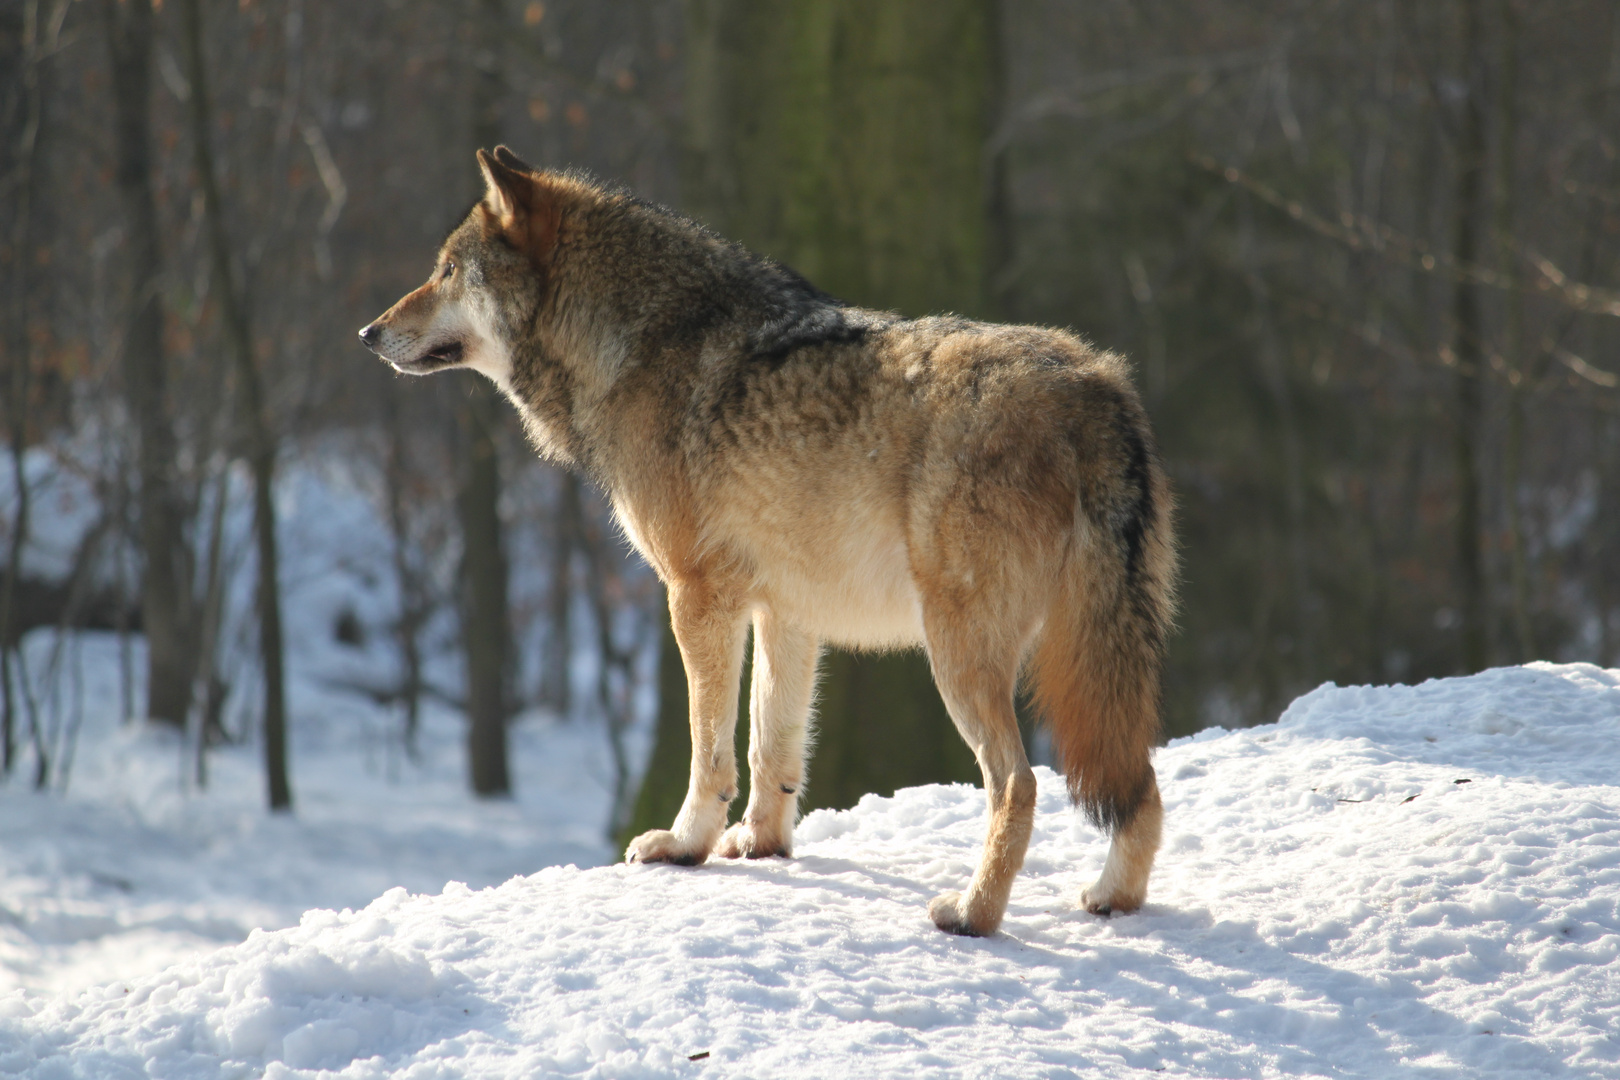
point(124, 867)
point(1390, 882)
point(128, 871)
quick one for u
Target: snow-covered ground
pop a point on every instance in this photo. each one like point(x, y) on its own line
point(1390, 882)
point(131, 870)
point(124, 867)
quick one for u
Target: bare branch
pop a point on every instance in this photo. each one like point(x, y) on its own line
point(1361, 233)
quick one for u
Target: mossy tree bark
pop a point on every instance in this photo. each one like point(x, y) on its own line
point(486, 627)
point(1468, 347)
point(845, 139)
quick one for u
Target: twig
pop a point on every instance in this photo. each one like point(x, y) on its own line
point(1360, 233)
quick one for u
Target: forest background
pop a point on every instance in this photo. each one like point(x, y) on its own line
point(1363, 257)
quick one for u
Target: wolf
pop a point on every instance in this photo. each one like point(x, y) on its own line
point(832, 475)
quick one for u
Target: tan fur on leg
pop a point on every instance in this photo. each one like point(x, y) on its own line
point(978, 912)
point(978, 692)
point(778, 726)
point(708, 628)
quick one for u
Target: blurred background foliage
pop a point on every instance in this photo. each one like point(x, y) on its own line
point(1362, 256)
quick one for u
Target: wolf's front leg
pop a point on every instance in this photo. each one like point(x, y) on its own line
point(709, 627)
point(778, 723)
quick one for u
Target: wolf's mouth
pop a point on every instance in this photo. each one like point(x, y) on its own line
point(440, 357)
point(449, 353)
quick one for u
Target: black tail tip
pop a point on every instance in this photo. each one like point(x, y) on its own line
point(1112, 811)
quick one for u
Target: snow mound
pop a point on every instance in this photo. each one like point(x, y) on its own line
point(1390, 882)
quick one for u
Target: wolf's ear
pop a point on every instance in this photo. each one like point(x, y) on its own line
point(518, 205)
point(504, 156)
point(508, 191)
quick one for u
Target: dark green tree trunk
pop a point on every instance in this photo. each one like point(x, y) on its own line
point(556, 678)
point(21, 106)
point(1468, 347)
point(846, 139)
point(664, 784)
point(166, 556)
point(1507, 126)
point(485, 626)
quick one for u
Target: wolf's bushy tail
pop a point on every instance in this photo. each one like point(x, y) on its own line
point(1096, 668)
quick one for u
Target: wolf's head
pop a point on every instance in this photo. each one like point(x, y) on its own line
point(486, 283)
point(560, 289)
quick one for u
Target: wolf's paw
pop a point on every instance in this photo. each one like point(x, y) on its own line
point(1100, 900)
point(661, 845)
point(949, 912)
point(745, 841)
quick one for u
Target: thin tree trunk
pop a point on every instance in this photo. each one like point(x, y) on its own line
point(167, 560)
point(40, 30)
point(616, 663)
point(1507, 124)
point(557, 673)
point(412, 604)
point(1468, 332)
point(19, 361)
point(201, 714)
point(1001, 232)
point(261, 446)
point(663, 786)
point(486, 632)
point(85, 558)
point(1275, 376)
point(18, 422)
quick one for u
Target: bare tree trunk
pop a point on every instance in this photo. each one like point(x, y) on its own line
point(1275, 376)
point(166, 580)
point(486, 630)
point(40, 29)
point(201, 717)
point(1507, 124)
point(412, 601)
point(1468, 353)
point(556, 680)
point(485, 633)
point(1001, 227)
point(49, 744)
point(19, 536)
point(615, 678)
point(659, 799)
point(261, 445)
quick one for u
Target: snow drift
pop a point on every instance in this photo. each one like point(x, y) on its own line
point(1390, 882)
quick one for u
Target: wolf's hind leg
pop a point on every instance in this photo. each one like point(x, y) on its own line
point(709, 627)
point(778, 727)
point(979, 695)
point(1123, 884)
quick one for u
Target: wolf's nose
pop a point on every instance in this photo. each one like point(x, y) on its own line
point(369, 335)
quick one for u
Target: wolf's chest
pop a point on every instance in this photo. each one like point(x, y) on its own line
point(832, 560)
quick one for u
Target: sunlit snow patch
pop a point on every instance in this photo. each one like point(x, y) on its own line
point(1390, 882)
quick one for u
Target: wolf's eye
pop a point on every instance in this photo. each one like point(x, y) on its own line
point(449, 268)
